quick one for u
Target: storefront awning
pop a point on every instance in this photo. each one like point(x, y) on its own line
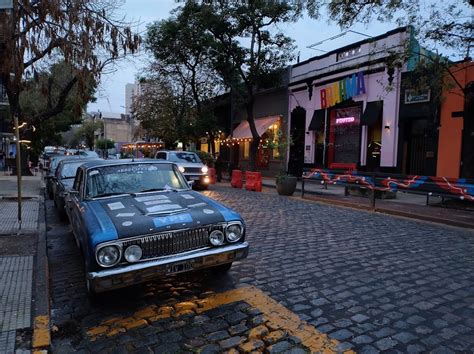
point(262, 124)
point(372, 112)
point(317, 122)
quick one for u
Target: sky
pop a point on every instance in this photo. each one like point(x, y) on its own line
point(111, 94)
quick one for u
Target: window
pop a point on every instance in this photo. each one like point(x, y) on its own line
point(246, 149)
point(348, 53)
point(344, 135)
point(161, 155)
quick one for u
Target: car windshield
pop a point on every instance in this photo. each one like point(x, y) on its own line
point(89, 154)
point(133, 178)
point(68, 170)
point(184, 157)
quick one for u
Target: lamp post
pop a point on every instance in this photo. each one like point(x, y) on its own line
point(18, 166)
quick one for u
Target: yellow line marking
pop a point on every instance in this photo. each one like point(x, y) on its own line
point(41, 335)
point(278, 317)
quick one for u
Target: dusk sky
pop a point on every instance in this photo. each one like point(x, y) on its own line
point(111, 94)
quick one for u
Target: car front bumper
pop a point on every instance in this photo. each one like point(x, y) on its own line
point(200, 179)
point(114, 278)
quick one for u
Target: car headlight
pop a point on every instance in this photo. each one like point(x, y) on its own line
point(133, 253)
point(204, 169)
point(181, 169)
point(108, 256)
point(216, 238)
point(234, 232)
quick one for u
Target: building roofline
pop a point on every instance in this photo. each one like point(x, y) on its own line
point(352, 45)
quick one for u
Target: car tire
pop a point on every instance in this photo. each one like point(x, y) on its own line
point(62, 215)
point(222, 269)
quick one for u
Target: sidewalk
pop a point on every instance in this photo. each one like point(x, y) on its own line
point(24, 298)
point(405, 204)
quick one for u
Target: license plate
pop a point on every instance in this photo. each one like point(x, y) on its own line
point(179, 267)
point(194, 178)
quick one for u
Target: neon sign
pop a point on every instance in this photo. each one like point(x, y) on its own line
point(345, 120)
point(342, 90)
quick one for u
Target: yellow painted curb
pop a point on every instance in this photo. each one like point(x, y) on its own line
point(41, 334)
point(278, 317)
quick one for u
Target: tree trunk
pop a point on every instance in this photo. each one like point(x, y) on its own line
point(255, 136)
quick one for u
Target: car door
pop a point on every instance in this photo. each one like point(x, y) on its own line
point(73, 205)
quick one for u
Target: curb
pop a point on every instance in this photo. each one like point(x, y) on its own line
point(315, 197)
point(41, 322)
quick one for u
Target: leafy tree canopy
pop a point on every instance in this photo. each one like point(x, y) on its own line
point(41, 93)
point(85, 34)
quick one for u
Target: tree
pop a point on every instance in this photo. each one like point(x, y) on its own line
point(44, 91)
point(105, 144)
point(87, 132)
point(164, 111)
point(182, 52)
point(85, 34)
point(249, 47)
point(440, 23)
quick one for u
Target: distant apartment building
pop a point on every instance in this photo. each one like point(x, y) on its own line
point(118, 127)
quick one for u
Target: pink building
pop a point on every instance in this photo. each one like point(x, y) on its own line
point(344, 105)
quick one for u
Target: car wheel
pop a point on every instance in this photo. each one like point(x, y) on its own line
point(62, 214)
point(222, 269)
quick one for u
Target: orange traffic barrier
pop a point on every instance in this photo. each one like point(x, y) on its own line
point(236, 180)
point(212, 175)
point(253, 181)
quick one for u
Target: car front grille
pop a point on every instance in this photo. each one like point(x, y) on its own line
point(192, 170)
point(170, 243)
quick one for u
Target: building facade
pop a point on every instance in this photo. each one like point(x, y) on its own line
point(344, 105)
point(456, 131)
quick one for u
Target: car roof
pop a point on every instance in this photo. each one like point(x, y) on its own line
point(97, 163)
point(75, 160)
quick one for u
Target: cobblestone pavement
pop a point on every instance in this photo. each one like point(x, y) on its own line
point(372, 282)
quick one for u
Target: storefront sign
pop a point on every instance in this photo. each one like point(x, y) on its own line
point(345, 120)
point(417, 96)
point(342, 90)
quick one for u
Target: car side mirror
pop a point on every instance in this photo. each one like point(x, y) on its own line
point(190, 184)
point(72, 192)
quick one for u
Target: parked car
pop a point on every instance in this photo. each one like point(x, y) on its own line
point(63, 180)
point(49, 172)
point(137, 220)
point(189, 164)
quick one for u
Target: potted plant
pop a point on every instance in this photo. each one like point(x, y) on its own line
point(285, 183)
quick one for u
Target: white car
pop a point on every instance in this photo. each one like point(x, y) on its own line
point(189, 164)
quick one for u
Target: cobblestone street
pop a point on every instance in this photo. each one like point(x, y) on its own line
point(370, 282)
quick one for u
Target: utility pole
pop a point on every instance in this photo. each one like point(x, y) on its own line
point(11, 5)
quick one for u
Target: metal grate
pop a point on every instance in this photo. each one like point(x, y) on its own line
point(192, 170)
point(170, 243)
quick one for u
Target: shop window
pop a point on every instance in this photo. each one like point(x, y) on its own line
point(217, 147)
point(246, 153)
point(344, 135)
point(205, 147)
point(273, 134)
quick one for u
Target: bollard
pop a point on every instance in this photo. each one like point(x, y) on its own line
point(253, 181)
point(236, 180)
point(212, 175)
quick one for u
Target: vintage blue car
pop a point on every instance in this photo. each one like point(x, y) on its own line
point(137, 220)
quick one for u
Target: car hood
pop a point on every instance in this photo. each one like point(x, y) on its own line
point(151, 213)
